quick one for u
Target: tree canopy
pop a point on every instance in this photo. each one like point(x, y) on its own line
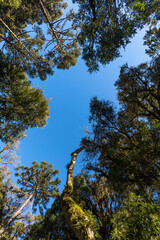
point(22, 106)
point(116, 195)
point(23, 39)
point(106, 26)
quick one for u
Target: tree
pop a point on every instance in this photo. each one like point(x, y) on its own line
point(106, 26)
point(138, 218)
point(102, 32)
point(92, 197)
point(95, 196)
point(82, 224)
point(119, 185)
point(50, 226)
point(151, 38)
point(11, 199)
point(126, 143)
point(37, 184)
point(123, 148)
point(8, 153)
point(139, 90)
point(123, 151)
point(22, 37)
point(37, 181)
point(22, 106)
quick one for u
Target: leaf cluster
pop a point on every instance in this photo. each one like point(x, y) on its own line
point(21, 105)
point(38, 180)
point(106, 26)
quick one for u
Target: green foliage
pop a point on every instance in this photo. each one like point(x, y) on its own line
point(24, 42)
point(37, 184)
point(138, 90)
point(12, 3)
point(10, 199)
point(55, 225)
point(152, 40)
point(138, 219)
point(103, 31)
point(106, 26)
point(121, 195)
point(124, 150)
point(125, 145)
point(95, 196)
point(38, 180)
point(52, 226)
point(3, 193)
point(22, 106)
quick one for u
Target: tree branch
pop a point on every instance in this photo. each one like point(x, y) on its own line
point(51, 27)
point(19, 41)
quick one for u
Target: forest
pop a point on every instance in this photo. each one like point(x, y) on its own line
point(115, 194)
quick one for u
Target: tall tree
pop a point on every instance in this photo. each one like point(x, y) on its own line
point(21, 105)
point(8, 153)
point(124, 150)
point(52, 225)
point(106, 26)
point(123, 155)
point(82, 224)
point(139, 90)
point(38, 185)
point(23, 40)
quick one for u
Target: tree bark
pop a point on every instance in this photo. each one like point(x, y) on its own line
point(77, 219)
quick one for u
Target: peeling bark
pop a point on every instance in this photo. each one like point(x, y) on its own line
point(77, 219)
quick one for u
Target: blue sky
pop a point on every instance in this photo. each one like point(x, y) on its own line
point(71, 91)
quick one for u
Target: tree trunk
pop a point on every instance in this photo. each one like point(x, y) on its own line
point(77, 219)
point(2, 230)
